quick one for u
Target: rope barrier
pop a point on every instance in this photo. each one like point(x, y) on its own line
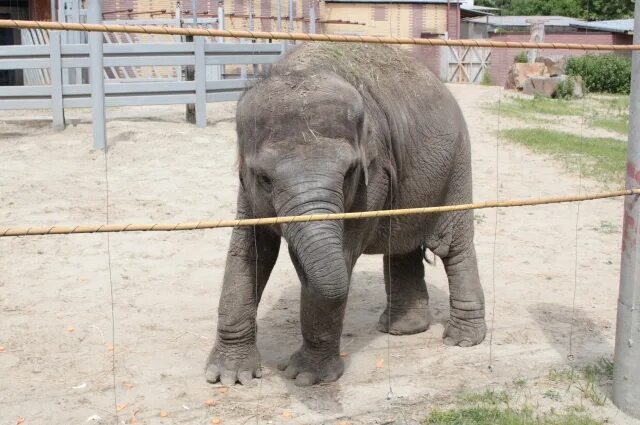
point(200, 225)
point(141, 29)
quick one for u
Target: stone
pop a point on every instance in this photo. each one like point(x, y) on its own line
point(555, 64)
point(548, 86)
point(519, 73)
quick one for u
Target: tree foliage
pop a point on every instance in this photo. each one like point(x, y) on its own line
point(583, 9)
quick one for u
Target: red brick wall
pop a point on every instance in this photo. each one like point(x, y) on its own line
point(502, 59)
point(429, 56)
point(452, 21)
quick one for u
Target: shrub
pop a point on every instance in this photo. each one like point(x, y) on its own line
point(521, 58)
point(486, 78)
point(566, 89)
point(602, 73)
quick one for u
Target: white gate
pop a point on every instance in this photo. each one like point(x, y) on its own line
point(465, 64)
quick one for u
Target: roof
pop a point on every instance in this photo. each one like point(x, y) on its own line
point(397, 1)
point(477, 10)
point(524, 21)
point(624, 26)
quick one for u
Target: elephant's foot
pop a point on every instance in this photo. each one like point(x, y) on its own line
point(408, 316)
point(233, 364)
point(309, 368)
point(464, 333)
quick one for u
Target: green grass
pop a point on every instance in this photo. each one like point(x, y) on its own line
point(493, 407)
point(529, 108)
point(619, 124)
point(606, 112)
point(483, 415)
point(601, 158)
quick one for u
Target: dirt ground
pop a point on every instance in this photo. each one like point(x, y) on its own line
point(55, 296)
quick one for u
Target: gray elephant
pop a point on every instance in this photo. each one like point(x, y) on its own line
point(335, 128)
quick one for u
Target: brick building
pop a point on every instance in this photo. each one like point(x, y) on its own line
point(558, 29)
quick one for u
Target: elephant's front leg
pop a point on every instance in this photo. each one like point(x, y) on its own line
point(321, 317)
point(466, 326)
point(250, 259)
point(318, 360)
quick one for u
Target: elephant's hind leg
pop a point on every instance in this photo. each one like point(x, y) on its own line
point(407, 309)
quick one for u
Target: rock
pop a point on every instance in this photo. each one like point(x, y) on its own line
point(548, 86)
point(521, 72)
point(555, 64)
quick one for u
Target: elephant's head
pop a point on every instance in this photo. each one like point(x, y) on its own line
point(303, 150)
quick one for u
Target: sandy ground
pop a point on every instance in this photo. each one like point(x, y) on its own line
point(55, 296)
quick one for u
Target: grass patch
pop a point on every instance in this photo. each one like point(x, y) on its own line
point(483, 415)
point(528, 108)
point(494, 408)
point(601, 158)
point(617, 125)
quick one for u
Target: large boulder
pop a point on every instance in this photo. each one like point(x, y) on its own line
point(548, 86)
point(555, 64)
point(519, 73)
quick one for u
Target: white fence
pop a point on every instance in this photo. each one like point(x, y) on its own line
point(57, 57)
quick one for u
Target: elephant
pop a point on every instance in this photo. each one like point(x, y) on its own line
point(342, 127)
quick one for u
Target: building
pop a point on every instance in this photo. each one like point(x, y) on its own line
point(557, 29)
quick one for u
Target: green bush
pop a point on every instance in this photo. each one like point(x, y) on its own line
point(521, 58)
point(602, 73)
point(566, 88)
point(486, 78)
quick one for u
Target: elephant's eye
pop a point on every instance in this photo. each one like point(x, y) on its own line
point(264, 181)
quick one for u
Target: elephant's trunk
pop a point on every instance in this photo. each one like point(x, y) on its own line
point(317, 248)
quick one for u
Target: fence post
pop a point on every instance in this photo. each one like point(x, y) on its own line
point(96, 77)
point(279, 15)
point(312, 19)
point(190, 70)
point(178, 24)
point(626, 370)
point(57, 107)
point(201, 82)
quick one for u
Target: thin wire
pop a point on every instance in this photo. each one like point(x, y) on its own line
point(113, 315)
point(575, 264)
point(570, 357)
point(389, 300)
point(495, 236)
point(495, 229)
point(255, 240)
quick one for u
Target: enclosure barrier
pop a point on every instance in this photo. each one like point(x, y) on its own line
point(292, 36)
point(199, 225)
point(626, 388)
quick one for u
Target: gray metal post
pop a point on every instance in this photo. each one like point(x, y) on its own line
point(201, 82)
point(626, 372)
point(178, 24)
point(291, 15)
point(190, 70)
point(57, 106)
point(279, 15)
point(312, 19)
point(96, 77)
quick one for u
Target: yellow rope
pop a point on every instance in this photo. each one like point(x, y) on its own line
point(168, 227)
point(140, 29)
